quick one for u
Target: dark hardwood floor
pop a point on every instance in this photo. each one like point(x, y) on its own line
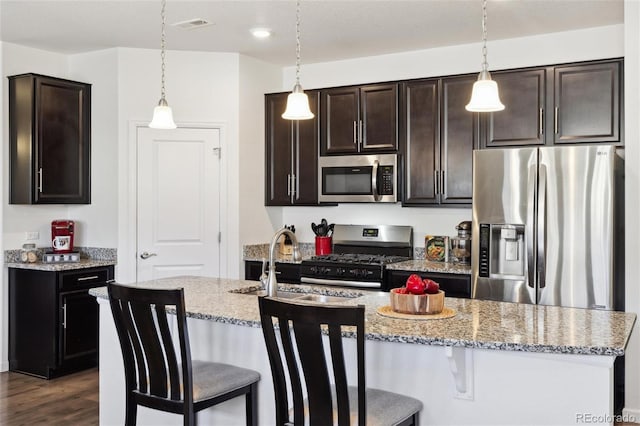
point(68, 400)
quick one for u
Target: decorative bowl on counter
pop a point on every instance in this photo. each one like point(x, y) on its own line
point(417, 304)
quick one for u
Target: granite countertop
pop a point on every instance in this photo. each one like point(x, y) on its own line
point(41, 266)
point(477, 323)
point(90, 257)
point(257, 252)
point(422, 265)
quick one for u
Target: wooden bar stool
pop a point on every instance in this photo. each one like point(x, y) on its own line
point(154, 376)
point(328, 402)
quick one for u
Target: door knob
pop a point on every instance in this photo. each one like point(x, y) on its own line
point(146, 255)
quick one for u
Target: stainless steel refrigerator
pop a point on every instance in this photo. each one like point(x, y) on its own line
point(548, 226)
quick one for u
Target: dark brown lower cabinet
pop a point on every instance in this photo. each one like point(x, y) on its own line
point(288, 272)
point(454, 285)
point(53, 321)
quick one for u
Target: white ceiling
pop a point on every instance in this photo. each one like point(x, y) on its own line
point(331, 29)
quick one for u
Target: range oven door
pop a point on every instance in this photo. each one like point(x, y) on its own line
point(358, 179)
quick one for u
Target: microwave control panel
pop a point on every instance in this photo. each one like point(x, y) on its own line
point(386, 175)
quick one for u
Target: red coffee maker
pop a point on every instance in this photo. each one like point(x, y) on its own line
point(62, 236)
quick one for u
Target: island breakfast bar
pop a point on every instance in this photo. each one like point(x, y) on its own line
point(492, 363)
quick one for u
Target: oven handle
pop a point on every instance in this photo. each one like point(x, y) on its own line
point(342, 283)
point(374, 180)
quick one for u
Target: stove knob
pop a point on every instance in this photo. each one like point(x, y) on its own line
point(340, 271)
point(353, 272)
point(326, 271)
point(313, 269)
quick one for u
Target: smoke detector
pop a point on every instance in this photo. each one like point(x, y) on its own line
point(192, 24)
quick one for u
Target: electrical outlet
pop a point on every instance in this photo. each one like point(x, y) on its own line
point(32, 236)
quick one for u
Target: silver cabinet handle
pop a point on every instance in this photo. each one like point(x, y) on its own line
point(540, 118)
point(443, 183)
point(355, 132)
point(436, 182)
point(555, 121)
point(40, 180)
point(146, 255)
point(289, 184)
point(361, 131)
point(64, 316)
point(293, 185)
point(92, 277)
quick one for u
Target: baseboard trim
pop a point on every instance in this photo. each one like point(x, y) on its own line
point(4, 366)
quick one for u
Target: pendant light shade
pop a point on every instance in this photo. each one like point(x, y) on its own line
point(297, 105)
point(297, 101)
point(484, 96)
point(162, 114)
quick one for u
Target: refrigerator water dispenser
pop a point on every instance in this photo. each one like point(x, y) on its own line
point(502, 251)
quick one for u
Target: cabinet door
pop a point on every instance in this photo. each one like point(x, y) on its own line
point(454, 285)
point(379, 117)
point(340, 120)
point(459, 137)
point(305, 151)
point(62, 134)
point(420, 136)
point(78, 325)
point(521, 123)
point(279, 161)
point(587, 103)
point(49, 140)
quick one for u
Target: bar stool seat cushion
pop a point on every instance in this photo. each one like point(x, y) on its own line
point(211, 379)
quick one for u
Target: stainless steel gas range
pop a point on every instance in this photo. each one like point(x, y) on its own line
point(360, 253)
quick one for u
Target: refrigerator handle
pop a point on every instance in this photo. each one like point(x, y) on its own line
point(531, 191)
point(542, 215)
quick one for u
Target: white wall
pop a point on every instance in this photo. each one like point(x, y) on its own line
point(632, 198)
point(256, 79)
point(202, 88)
point(596, 43)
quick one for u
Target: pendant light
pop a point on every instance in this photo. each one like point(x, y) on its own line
point(484, 97)
point(162, 115)
point(297, 101)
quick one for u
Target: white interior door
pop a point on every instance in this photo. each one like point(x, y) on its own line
point(178, 187)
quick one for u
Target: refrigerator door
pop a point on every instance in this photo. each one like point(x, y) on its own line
point(575, 233)
point(503, 233)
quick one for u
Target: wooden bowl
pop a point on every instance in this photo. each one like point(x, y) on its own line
point(417, 304)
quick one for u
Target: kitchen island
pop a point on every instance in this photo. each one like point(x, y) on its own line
point(492, 363)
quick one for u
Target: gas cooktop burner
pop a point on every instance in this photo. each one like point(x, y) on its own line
point(370, 259)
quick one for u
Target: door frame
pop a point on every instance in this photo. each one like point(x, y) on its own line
point(128, 210)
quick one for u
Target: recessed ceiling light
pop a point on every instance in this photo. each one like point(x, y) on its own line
point(192, 24)
point(261, 32)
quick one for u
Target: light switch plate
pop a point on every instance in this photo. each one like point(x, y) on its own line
point(31, 236)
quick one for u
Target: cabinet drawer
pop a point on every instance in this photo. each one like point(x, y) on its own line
point(84, 278)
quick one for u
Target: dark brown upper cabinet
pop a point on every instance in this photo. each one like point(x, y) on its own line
point(588, 103)
point(565, 104)
point(438, 136)
point(359, 119)
point(49, 140)
point(522, 120)
point(291, 154)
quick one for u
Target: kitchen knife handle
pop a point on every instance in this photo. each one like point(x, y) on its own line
point(531, 188)
point(40, 180)
point(540, 121)
point(374, 180)
point(542, 234)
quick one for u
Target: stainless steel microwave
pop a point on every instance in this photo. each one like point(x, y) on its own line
point(358, 179)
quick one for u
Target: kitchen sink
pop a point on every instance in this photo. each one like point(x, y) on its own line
point(307, 297)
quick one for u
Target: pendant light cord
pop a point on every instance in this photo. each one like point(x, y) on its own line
point(485, 65)
point(162, 47)
point(297, 41)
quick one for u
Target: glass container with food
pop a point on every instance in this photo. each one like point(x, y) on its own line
point(460, 249)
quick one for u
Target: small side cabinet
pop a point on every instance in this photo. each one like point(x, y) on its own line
point(49, 140)
point(53, 321)
point(287, 272)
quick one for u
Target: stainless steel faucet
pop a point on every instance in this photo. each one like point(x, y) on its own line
point(269, 281)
